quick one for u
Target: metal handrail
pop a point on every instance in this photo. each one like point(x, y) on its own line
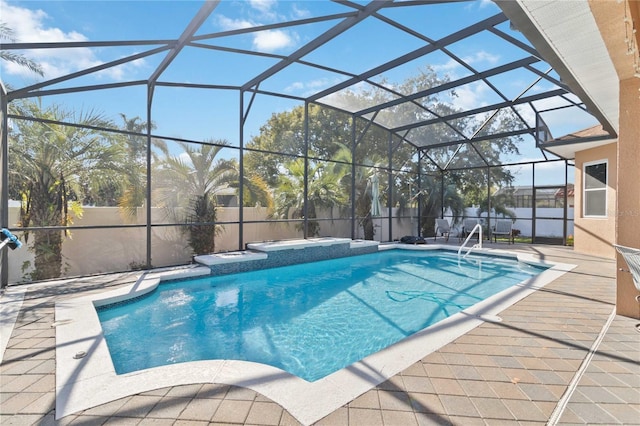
point(479, 245)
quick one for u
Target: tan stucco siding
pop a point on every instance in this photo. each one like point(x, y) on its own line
point(628, 211)
point(596, 236)
point(612, 19)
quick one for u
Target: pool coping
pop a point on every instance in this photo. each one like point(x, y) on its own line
point(85, 376)
point(10, 305)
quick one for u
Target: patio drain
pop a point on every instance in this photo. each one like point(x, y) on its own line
point(489, 318)
point(79, 355)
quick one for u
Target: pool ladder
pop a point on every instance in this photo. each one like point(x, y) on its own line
point(469, 249)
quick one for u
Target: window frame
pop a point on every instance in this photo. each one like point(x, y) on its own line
point(604, 161)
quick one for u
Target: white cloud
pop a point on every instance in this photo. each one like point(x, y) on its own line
point(449, 66)
point(471, 96)
point(294, 87)
point(452, 66)
point(229, 24)
point(272, 40)
point(30, 26)
point(310, 87)
point(263, 6)
point(527, 114)
point(481, 56)
point(264, 41)
point(298, 13)
point(264, 9)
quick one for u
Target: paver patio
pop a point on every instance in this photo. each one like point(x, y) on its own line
point(557, 356)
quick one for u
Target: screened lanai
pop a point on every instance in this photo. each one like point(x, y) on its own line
point(150, 132)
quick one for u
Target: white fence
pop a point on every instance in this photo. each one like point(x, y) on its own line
point(549, 221)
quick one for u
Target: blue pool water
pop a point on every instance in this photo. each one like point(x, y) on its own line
point(310, 319)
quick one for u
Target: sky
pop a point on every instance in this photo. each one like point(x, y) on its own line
point(191, 114)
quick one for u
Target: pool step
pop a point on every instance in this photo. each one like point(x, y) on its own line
point(230, 257)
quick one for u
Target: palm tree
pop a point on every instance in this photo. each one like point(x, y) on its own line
point(324, 190)
point(187, 185)
point(134, 194)
point(363, 184)
point(434, 202)
point(6, 33)
point(54, 167)
point(499, 205)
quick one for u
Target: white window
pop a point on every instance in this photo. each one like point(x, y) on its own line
point(594, 201)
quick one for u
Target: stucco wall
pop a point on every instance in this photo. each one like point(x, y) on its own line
point(610, 18)
point(596, 236)
point(92, 251)
point(628, 226)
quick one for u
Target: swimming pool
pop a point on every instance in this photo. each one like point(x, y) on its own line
point(310, 320)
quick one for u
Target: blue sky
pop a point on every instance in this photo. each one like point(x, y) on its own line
point(354, 51)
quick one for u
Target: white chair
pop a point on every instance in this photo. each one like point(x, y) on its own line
point(468, 226)
point(632, 257)
point(443, 228)
point(503, 227)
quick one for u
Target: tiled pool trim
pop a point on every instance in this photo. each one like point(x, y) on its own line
point(87, 381)
point(273, 254)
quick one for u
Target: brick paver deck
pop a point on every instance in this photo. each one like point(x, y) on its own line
point(546, 362)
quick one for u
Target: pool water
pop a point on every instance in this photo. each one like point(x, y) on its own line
point(310, 319)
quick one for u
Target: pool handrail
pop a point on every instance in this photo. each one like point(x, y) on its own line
point(479, 245)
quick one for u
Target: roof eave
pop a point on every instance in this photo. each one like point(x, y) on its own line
point(567, 150)
point(596, 85)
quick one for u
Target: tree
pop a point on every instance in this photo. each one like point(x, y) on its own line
point(434, 202)
point(324, 191)
point(200, 214)
point(363, 181)
point(187, 184)
point(367, 184)
point(282, 138)
point(135, 167)
point(329, 131)
point(475, 164)
point(465, 166)
point(330, 140)
point(54, 167)
point(6, 33)
point(500, 203)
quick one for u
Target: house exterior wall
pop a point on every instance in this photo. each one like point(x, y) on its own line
point(616, 33)
point(628, 223)
point(595, 236)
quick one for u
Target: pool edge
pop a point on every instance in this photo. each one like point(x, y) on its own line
point(87, 381)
